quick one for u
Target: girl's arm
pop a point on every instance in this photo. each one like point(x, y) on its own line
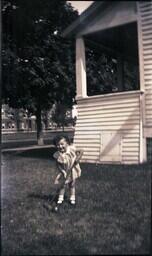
point(79, 153)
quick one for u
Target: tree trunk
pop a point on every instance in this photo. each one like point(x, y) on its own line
point(18, 125)
point(17, 119)
point(40, 140)
point(46, 120)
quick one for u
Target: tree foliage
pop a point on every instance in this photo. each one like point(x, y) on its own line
point(38, 64)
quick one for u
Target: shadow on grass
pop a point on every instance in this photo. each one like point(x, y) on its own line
point(41, 196)
point(50, 201)
point(44, 197)
point(62, 245)
point(45, 153)
point(51, 245)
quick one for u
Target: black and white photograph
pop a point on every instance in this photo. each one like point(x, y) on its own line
point(76, 127)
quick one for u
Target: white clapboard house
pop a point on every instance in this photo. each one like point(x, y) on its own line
point(115, 127)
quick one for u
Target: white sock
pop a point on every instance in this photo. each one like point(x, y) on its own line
point(60, 199)
point(72, 199)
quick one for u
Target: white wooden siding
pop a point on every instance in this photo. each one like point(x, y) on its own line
point(119, 112)
point(145, 32)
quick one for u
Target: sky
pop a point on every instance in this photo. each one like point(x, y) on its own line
point(80, 5)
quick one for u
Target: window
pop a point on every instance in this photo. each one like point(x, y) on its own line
point(112, 60)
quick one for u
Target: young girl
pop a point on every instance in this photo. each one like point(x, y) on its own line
point(67, 160)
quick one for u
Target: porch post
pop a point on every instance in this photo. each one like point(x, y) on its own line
point(81, 84)
point(143, 151)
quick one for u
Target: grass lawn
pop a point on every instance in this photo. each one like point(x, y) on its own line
point(112, 215)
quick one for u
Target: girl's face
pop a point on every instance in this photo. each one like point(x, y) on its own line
point(62, 145)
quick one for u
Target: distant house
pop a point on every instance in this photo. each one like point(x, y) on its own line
point(115, 127)
point(13, 120)
point(6, 121)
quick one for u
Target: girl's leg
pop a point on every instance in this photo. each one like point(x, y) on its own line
point(72, 192)
point(61, 196)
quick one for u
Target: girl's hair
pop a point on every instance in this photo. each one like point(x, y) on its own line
point(60, 137)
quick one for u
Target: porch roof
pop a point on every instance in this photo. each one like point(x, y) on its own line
point(102, 15)
point(83, 19)
point(110, 24)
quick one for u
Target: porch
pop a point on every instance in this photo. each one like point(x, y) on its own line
point(113, 80)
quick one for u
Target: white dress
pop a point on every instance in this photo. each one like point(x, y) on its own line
point(65, 162)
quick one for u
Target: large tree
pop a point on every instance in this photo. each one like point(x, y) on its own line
point(38, 64)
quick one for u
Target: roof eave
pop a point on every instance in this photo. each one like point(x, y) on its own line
point(73, 28)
